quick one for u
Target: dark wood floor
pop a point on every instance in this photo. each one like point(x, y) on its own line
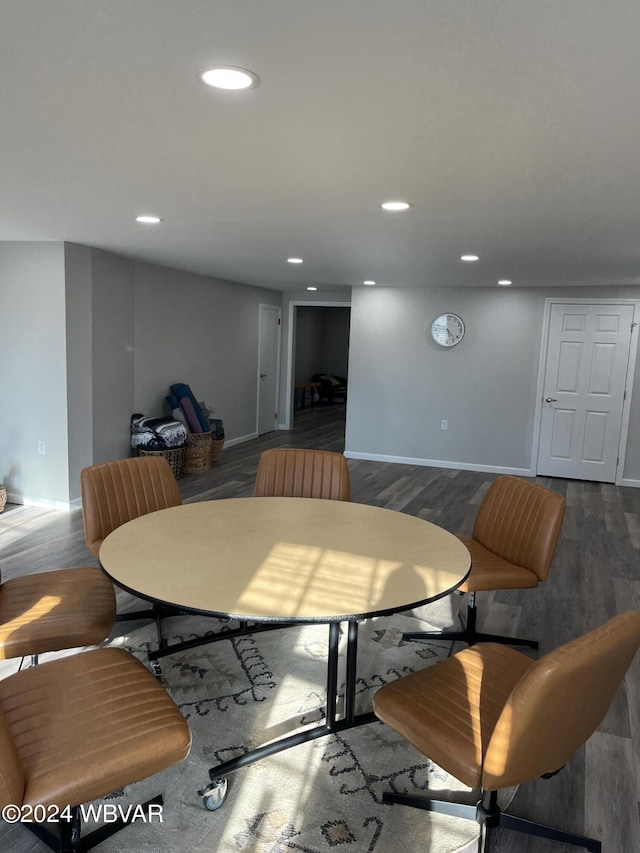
point(595, 574)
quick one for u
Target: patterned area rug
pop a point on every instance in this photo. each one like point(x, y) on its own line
point(321, 796)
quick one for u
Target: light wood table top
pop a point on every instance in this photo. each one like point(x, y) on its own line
point(285, 559)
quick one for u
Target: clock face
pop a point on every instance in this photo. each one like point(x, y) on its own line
point(447, 330)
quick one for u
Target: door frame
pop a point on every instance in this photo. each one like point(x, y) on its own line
point(293, 305)
point(631, 366)
point(261, 309)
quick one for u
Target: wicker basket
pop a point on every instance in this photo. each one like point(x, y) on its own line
point(3, 497)
point(198, 456)
point(216, 449)
point(175, 456)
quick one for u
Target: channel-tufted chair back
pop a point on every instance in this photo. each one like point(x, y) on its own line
point(520, 522)
point(296, 473)
point(119, 491)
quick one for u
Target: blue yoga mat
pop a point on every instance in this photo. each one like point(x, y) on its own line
point(183, 391)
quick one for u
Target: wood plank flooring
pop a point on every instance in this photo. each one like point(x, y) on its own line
point(595, 574)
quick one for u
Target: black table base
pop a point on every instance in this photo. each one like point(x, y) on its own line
point(332, 724)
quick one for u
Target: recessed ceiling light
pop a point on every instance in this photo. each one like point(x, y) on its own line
point(148, 220)
point(312, 288)
point(368, 282)
point(395, 205)
point(504, 282)
point(469, 258)
point(229, 77)
point(294, 260)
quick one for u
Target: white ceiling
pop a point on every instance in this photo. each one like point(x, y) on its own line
point(513, 127)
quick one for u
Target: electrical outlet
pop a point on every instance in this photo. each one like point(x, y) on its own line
point(444, 424)
point(42, 449)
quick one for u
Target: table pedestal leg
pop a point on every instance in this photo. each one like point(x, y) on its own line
point(332, 724)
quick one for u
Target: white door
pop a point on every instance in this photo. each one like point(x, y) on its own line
point(583, 396)
point(268, 368)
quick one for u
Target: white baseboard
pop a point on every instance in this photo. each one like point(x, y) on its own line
point(240, 440)
point(439, 463)
point(44, 503)
point(634, 484)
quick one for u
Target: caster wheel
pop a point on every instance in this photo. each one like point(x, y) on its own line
point(214, 795)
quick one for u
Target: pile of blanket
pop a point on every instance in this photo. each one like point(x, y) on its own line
point(157, 433)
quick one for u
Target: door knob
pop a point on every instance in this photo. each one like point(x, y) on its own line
point(550, 400)
point(263, 375)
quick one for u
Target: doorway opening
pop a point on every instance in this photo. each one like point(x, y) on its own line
point(317, 346)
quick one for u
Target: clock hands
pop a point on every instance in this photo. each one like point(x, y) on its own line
point(447, 330)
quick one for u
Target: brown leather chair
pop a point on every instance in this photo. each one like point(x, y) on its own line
point(295, 473)
point(494, 718)
point(512, 546)
point(55, 610)
point(119, 491)
point(116, 492)
point(79, 728)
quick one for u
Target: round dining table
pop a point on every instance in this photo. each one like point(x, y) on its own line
point(273, 561)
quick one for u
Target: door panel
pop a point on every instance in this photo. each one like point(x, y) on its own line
point(586, 367)
point(268, 368)
point(594, 437)
point(569, 367)
point(601, 379)
point(562, 430)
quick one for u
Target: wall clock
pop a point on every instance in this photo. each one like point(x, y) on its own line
point(447, 330)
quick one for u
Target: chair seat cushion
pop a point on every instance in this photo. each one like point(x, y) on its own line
point(55, 610)
point(89, 724)
point(449, 711)
point(488, 571)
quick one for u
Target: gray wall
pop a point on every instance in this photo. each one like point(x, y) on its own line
point(202, 331)
point(113, 354)
point(33, 402)
point(90, 337)
point(78, 306)
point(322, 341)
point(334, 351)
point(401, 384)
point(309, 330)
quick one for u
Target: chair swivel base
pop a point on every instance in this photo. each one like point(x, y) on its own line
point(70, 840)
point(490, 817)
point(469, 635)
